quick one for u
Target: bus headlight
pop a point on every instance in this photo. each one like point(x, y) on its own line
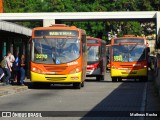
point(114, 67)
point(76, 70)
point(35, 69)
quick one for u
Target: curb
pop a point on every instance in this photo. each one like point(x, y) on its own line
point(157, 82)
point(12, 90)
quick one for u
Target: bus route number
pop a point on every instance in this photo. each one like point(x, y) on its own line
point(118, 58)
point(38, 56)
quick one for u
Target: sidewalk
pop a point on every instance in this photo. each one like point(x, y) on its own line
point(152, 101)
point(5, 90)
point(152, 98)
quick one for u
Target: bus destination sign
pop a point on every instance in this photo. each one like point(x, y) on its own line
point(92, 42)
point(39, 33)
point(117, 41)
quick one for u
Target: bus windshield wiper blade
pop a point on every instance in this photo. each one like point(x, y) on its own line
point(133, 48)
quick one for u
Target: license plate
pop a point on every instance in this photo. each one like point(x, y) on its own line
point(128, 71)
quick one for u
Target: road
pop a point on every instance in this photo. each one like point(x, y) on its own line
point(95, 96)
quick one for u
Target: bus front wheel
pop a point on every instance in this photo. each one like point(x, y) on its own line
point(77, 85)
point(119, 79)
point(100, 77)
point(82, 84)
point(114, 79)
point(144, 79)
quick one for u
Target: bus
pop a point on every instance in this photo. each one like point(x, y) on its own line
point(58, 55)
point(108, 47)
point(96, 62)
point(129, 58)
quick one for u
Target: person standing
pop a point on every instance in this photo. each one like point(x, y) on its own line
point(22, 69)
point(12, 59)
point(7, 69)
point(16, 69)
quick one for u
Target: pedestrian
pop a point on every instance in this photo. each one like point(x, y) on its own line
point(22, 69)
point(12, 59)
point(5, 64)
point(16, 69)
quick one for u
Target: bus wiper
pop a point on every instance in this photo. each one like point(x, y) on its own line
point(133, 48)
point(50, 45)
point(46, 40)
point(89, 48)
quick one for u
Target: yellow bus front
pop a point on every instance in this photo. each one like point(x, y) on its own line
point(56, 74)
point(57, 56)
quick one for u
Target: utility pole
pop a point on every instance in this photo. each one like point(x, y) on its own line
point(1, 6)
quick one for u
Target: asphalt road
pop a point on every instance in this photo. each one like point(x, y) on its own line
point(119, 98)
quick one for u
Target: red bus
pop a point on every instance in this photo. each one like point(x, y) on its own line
point(129, 58)
point(96, 66)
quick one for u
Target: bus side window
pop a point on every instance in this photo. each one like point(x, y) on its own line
point(83, 43)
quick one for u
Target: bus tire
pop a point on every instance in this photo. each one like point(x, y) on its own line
point(77, 85)
point(36, 85)
point(82, 84)
point(144, 79)
point(102, 77)
point(99, 77)
point(114, 79)
point(119, 79)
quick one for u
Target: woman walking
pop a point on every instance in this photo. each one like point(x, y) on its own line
point(22, 69)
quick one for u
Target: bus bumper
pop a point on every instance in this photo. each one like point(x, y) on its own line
point(129, 73)
point(69, 78)
point(93, 72)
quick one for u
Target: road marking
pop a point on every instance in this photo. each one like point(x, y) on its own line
point(144, 100)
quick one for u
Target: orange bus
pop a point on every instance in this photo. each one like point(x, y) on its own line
point(129, 58)
point(108, 47)
point(96, 66)
point(58, 55)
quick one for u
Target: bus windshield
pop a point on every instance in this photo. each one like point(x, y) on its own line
point(128, 53)
point(55, 50)
point(93, 53)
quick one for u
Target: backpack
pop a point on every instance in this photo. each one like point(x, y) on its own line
point(3, 63)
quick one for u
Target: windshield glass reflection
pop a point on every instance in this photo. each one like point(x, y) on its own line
point(56, 51)
point(129, 53)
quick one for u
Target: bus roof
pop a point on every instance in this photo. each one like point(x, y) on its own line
point(59, 27)
point(129, 39)
point(93, 38)
point(130, 36)
point(57, 30)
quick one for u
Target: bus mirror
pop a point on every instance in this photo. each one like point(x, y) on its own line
point(83, 47)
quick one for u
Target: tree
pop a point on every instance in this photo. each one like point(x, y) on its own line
point(93, 28)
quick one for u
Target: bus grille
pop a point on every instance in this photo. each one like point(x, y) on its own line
point(133, 72)
point(56, 78)
point(127, 66)
point(55, 68)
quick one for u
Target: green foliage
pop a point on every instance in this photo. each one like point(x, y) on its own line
point(94, 28)
point(132, 28)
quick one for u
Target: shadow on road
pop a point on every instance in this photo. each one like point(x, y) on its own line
point(129, 97)
point(51, 86)
point(125, 99)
